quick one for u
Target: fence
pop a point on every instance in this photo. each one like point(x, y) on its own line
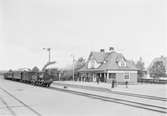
point(157, 81)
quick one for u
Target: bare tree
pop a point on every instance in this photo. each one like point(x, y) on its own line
point(80, 63)
point(140, 66)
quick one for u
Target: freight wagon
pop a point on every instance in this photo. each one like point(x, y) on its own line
point(35, 78)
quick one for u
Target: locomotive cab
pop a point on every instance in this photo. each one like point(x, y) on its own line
point(48, 78)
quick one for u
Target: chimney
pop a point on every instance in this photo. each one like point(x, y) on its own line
point(111, 49)
point(102, 50)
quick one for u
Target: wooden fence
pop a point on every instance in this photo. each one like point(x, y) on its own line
point(157, 81)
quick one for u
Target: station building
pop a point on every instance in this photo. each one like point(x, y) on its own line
point(108, 66)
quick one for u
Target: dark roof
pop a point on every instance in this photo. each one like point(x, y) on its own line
point(98, 56)
point(108, 61)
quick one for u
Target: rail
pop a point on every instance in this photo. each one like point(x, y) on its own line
point(145, 106)
point(25, 105)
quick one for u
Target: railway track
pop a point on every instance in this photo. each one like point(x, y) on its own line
point(139, 95)
point(135, 104)
point(115, 92)
point(18, 100)
point(7, 106)
point(140, 105)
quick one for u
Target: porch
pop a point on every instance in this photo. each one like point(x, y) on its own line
point(97, 77)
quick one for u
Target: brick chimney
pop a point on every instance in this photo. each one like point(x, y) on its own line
point(111, 49)
point(102, 50)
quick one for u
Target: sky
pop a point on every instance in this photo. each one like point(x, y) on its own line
point(135, 28)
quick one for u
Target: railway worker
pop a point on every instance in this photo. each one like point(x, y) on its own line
point(113, 82)
point(97, 80)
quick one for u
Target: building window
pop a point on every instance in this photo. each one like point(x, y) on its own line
point(93, 64)
point(126, 76)
point(112, 75)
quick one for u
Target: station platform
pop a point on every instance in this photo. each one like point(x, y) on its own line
point(145, 89)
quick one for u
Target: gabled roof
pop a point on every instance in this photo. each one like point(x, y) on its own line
point(108, 61)
point(98, 56)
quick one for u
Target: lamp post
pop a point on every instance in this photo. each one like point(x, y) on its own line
point(49, 51)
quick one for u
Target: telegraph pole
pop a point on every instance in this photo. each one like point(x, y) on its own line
point(73, 72)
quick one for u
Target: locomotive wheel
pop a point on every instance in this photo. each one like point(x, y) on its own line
point(46, 85)
point(42, 84)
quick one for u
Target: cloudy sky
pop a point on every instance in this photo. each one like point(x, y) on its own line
point(136, 28)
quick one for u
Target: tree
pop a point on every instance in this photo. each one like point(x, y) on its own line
point(35, 69)
point(80, 63)
point(140, 66)
point(157, 69)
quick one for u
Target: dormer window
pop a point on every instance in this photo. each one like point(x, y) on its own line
point(122, 63)
point(93, 64)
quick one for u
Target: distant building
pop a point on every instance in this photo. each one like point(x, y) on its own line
point(108, 66)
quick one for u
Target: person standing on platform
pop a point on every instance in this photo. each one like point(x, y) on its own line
point(112, 83)
point(126, 83)
point(97, 80)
